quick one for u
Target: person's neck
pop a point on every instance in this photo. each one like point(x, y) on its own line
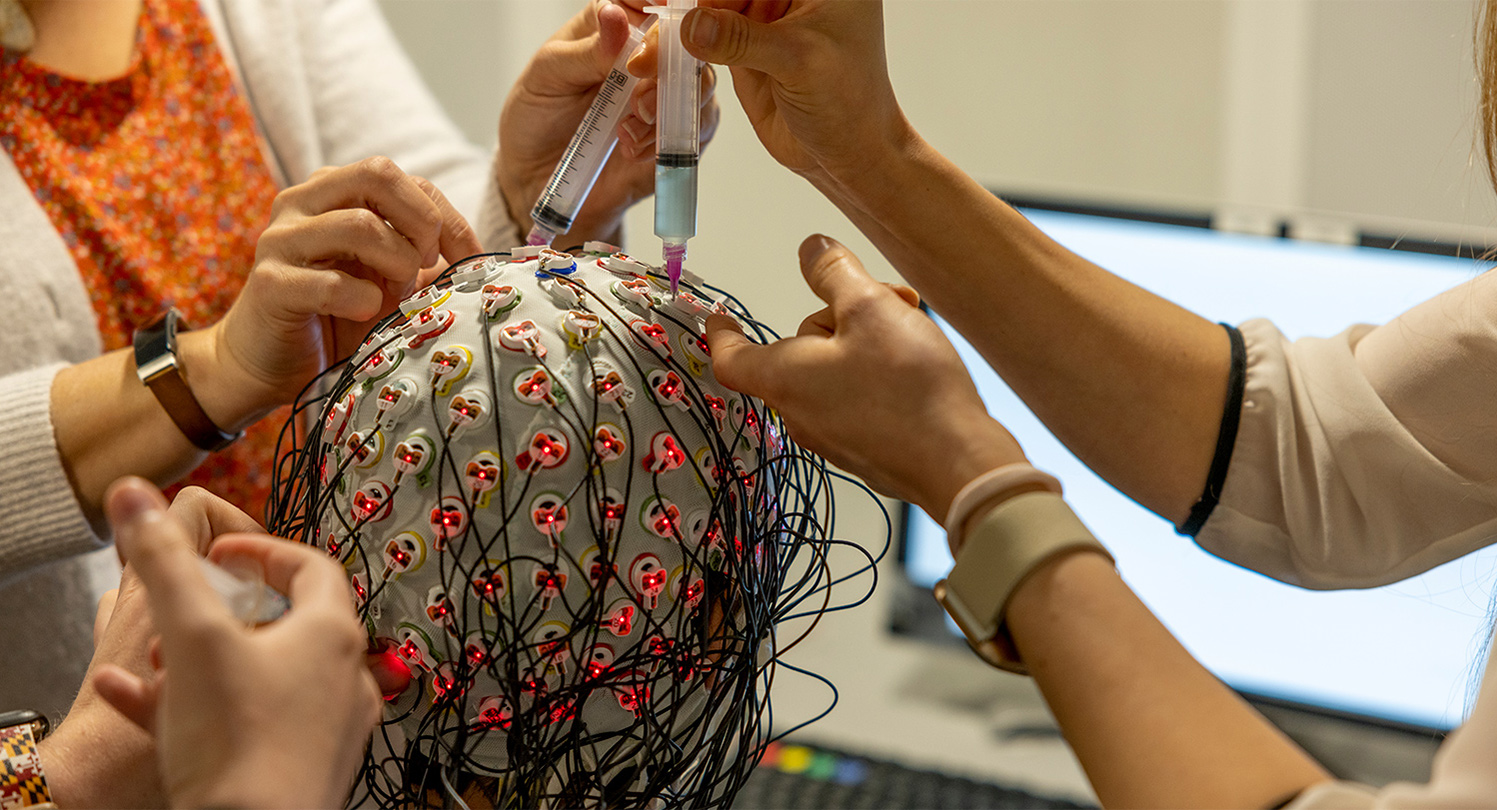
point(91, 40)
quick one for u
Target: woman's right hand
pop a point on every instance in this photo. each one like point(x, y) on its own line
point(810, 74)
point(342, 250)
point(272, 716)
point(871, 383)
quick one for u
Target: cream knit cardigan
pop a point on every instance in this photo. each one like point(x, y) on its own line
point(329, 85)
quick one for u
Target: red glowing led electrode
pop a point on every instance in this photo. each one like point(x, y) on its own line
point(522, 337)
point(663, 518)
point(549, 584)
point(669, 390)
point(653, 336)
point(691, 595)
point(493, 712)
point(562, 711)
point(447, 683)
point(620, 621)
point(440, 612)
point(718, 407)
point(648, 578)
point(371, 503)
point(534, 386)
point(465, 410)
point(498, 299)
point(632, 698)
point(665, 454)
point(428, 325)
point(548, 514)
point(448, 519)
point(548, 448)
point(600, 659)
point(403, 552)
point(608, 444)
point(448, 367)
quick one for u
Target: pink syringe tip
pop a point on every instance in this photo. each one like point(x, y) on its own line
point(673, 269)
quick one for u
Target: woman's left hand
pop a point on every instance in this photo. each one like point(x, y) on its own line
point(549, 100)
point(342, 250)
point(871, 383)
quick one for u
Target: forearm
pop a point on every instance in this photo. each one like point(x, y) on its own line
point(107, 423)
point(1132, 383)
point(1150, 725)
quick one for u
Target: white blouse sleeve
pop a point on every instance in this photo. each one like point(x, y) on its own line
point(1368, 457)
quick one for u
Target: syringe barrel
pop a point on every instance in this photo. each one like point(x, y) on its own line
point(590, 146)
point(680, 86)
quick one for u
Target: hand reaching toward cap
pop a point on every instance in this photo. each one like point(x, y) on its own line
point(275, 716)
point(871, 383)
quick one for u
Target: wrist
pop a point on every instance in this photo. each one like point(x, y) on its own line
point(231, 397)
point(61, 781)
point(976, 454)
point(864, 179)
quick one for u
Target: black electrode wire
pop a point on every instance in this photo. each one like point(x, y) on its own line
point(762, 556)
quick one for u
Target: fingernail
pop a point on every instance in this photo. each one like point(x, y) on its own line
point(646, 107)
point(704, 29)
point(636, 128)
point(815, 245)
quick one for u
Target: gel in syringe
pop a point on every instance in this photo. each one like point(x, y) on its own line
point(589, 149)
point(677, 139)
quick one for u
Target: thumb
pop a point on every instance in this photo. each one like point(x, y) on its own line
point(834, 273)
point(137, 699)
point(729, 38)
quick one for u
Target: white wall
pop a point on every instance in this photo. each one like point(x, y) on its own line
point(1358, 112)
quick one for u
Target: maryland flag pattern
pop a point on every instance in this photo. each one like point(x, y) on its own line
point(21, 781)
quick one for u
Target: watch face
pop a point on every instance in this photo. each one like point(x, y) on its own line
point(156, 346)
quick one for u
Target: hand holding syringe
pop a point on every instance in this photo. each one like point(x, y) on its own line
point(245, 593)
point(588, 150)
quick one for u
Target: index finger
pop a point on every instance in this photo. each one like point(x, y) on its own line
point(457, 240)
point(309, 577)
point(156, 545)
point(382, 187)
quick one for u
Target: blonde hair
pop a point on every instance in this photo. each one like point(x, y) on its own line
point(1485, 48)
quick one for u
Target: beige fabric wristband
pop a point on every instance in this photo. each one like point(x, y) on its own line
point(1005, 546)
point(988, 485)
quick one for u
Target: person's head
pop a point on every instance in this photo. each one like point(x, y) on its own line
point(567, 530)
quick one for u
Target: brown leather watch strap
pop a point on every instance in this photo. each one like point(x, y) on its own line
point(156, 364)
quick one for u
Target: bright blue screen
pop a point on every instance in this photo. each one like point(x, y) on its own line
point(1403, 652)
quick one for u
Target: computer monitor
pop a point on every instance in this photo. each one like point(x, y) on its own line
point(1404, 653)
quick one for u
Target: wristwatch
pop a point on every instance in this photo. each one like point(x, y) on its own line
point(22, 783)
point(156, 363)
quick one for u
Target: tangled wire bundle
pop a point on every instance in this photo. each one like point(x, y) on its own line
point(577, 541)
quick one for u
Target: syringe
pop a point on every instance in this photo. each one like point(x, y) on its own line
point(677, 144)
point(588, 151)
point(245, 593)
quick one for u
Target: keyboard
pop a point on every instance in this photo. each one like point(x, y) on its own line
point(795, 776)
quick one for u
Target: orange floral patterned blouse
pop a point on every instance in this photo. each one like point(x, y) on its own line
point(158, 186)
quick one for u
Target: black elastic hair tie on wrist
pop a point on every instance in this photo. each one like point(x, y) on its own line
point(1226, 437)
